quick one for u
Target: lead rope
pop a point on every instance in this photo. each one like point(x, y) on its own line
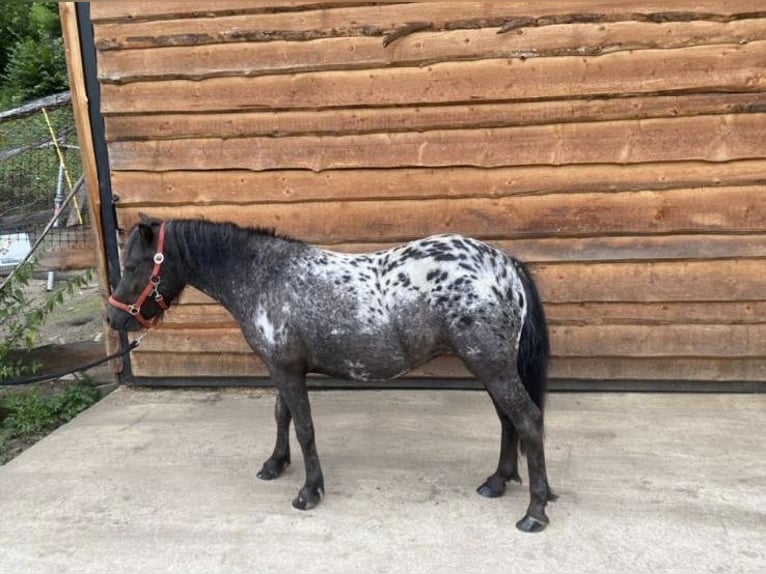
point(79, 368)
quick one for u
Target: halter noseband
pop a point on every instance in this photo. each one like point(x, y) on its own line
point(151, 289)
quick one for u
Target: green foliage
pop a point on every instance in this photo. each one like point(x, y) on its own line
point(36, 68)
point(13, 303)
point(74, 400)
point(22, 318)
point(14, 25)
point(27, 414)
point(32, 62)
point(44, 18)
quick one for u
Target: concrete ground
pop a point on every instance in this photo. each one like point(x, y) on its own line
point(164, 482)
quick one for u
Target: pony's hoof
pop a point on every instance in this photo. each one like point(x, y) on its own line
point(492, 489)
point(306, 500)
point(495, 485)
point(272, 469)
point(532, 524)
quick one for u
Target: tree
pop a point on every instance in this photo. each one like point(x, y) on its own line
point(32, 60)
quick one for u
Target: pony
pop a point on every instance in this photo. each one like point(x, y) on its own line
point(368, 317)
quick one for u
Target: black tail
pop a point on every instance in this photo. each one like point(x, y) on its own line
point(534, 348)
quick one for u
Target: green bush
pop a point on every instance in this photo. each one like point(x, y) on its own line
point(32, 61)
point(33, 412)
point(29, 413)
point(36, 68)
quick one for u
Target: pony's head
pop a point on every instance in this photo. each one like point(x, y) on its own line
point(150, 279)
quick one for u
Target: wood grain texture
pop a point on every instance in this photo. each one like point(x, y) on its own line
point(235, 187)
point(697, 69)
point(70, 33)
point(167, 24)
point(196, 62)
point(717, 210)
point(701, 138)
point(83, 257)
point(423, 118)
point(668, 313)
point(102, 10)
point(141, 10)
point(661, 281)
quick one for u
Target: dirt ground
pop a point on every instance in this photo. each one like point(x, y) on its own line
point(74, 333)
point(79, 319)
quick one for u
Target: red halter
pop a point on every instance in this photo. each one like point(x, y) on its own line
point(152, 288)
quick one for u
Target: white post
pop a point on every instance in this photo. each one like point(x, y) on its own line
point(57, 207)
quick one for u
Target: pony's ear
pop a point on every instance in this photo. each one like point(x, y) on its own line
point(146, 226)
point(145, 231)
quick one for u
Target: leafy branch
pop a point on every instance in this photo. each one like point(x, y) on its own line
point(21, 318)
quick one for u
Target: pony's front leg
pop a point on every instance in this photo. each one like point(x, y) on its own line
point(280, 458)
point(292, 389)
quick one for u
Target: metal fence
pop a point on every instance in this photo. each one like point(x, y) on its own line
point(39, 164)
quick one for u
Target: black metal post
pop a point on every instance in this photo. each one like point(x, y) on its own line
point(108, 214)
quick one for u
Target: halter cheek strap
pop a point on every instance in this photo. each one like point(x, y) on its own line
point(151, 289)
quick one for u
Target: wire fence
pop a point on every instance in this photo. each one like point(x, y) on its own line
point(39, 164)
point(51, 310)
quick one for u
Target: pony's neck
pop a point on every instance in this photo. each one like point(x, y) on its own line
point(221, 259)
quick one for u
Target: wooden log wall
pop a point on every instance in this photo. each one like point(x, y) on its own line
point(618, 147)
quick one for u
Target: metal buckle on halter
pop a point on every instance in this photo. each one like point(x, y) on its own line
point(133, 310)
point(159, 258)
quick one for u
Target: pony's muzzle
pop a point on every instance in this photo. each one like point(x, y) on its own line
point(121, 320)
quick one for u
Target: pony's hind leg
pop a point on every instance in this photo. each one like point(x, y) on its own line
point(507, 466)
point(280, 458)
point(513, 400)
point(498, 372)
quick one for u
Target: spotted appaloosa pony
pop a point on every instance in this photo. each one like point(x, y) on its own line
point(372, 316)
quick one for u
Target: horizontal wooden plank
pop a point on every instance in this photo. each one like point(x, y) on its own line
point(659, 369)
point(136, 11)
point(196, 311)
point(591, 368)
point(717, 210)
point(748, 340)
point(172, 24)
point(633, 341)
point(700, 69)
point(246, 187)
point(422, 118)
point(191, 315)
point(197, 62)
point(669, 313)
point(734, 281)
point(83, 257)
point(701, 138)
point(722, 280)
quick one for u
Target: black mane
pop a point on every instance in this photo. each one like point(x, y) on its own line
point(205, 229)
point(211, 241)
